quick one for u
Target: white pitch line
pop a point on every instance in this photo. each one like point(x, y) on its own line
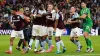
point(91, 54)
point(83, 41)
point(83, 55)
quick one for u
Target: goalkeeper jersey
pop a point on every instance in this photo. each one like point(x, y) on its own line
point(87, 20)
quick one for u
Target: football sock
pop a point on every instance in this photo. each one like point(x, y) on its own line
point(30, 43)
point(10, 48)
point(43, 44)
point(58, 45)
point(77, 42)
point(87, 42)
point(50, 41)
point(36, 43)
point(90, 44)
point(61, 42)
point(20, 42)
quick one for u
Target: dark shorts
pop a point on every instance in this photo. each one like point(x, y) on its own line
point(27, 33)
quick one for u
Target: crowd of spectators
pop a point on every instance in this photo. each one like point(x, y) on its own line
point(93, 5)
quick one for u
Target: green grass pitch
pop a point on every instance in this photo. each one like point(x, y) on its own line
point(71, 48)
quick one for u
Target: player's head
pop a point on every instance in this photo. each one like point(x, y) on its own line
point(7, 6)
point(26, 10)
point(14, 10)
point(41, 7)
point(72, 9)
point(50, 7)
point(57, 8)
point(83, 4)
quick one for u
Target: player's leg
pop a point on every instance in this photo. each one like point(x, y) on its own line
point(13, 35)
point(21, 40)
point(31, 42)
point(38, 34)
point(86, 31)
point(24, 49)
point(72, 36)
point(32, 38)
point(43, 43)
point(77, 42)
point(27, 34)
point(59, 41)
point(43, 39)
point(49, 39)
point(19, 44)
point(76, 39)
point(10, 47)
point(23, 45)
point(21, 35)
point(36, 43)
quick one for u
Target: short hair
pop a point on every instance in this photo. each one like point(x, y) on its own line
point(16, 8)
point(84, 2)
point(50, 4)
point(58, 7)
point(73, 7)
point(7, 4)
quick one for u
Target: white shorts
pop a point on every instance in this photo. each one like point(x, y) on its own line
point(75, 32)
point(44, 30)
point(37, 30)
point(17, 34)
point(58, 32)
point(50, 31)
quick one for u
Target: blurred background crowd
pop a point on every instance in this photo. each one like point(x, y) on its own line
point(7, 5)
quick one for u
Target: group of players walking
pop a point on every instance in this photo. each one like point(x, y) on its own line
point(40, 24)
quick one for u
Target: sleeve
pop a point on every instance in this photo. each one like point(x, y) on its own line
point(86, 11)
point(76, 15)
point(40, 12)
point(22, 16)
point(32, 11)
point(53, 15)
point(44, 11)
point(57, 16)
